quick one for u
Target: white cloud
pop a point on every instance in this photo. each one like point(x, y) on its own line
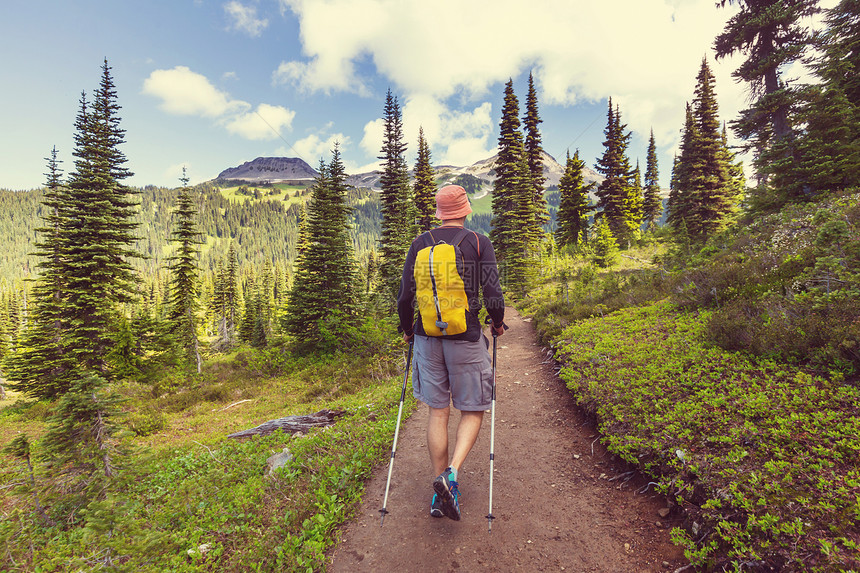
point(244, 18)
point(183, 92)
point(265, 122)
point(316, 146)
point(455, 137)
point(643, 53)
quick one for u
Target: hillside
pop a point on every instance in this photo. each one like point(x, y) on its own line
point(255, 204)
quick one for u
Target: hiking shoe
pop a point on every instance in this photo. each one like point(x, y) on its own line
point(449, 495)
point(436, 507)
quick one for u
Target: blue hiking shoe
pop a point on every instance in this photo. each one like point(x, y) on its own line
point(448, 494)
point(436, 507)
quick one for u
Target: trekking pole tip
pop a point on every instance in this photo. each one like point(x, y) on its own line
point(382, 520)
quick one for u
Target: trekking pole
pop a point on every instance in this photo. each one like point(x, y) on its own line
point(490, 516)
point(384, 511)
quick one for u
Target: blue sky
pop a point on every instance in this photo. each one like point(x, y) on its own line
point(208, 83)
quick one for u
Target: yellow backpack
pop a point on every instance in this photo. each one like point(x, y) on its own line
point(439, 288)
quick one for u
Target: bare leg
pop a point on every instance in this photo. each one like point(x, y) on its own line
point(467, 434)
point(437, 438)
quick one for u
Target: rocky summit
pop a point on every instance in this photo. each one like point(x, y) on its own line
point(271, 170)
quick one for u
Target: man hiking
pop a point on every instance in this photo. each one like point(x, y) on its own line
point(443, 271)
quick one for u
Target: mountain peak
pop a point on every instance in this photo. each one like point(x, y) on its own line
point(271, 170)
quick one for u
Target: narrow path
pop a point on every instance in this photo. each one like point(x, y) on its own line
point(556, 507)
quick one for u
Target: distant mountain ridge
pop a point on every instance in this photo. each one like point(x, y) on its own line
point(271, 170)
point(292, 169)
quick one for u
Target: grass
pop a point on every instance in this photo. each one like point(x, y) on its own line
point(188, 498)
point(276, 192)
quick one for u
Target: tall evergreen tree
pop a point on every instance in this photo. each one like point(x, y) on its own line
point(705, 182)
point(37, 368)
point(651, 204)
point(184, 275)
point(771, 36)
point(534, 158)
point(825, 153)
point(90, 243)
point(249, 312)
point(97, 233)
point(424, 186)
point(507, 170)
point(712, 182)
point(225, 301)
point(681, 206)
point(397, 232)
point(614, 194)
point(572, 217)
point(324, 288)
point(513, 203)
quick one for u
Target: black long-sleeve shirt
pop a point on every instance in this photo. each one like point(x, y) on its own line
point(480, 270)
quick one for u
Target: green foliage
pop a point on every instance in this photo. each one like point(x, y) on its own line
point(425, 186)
point(572, 218)
point(396, 208)
point(762, 456)
point(788, 287)
point(604, 244)
point(517, 213)
point(201, 502)
point(325, 288)
point(706, 184)
point(619, 203)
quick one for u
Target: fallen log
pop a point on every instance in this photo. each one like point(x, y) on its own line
point(292, 424)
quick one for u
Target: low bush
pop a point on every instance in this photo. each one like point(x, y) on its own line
point(762, 457)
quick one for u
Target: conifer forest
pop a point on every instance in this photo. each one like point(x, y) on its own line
point(711, 329)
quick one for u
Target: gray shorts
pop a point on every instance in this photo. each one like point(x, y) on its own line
point(457, 371)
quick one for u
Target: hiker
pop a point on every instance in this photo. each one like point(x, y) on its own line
point(452, 363)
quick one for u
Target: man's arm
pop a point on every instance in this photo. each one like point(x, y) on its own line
point(406, 297)
point(492, 289)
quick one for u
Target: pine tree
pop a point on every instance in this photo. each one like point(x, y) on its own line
point(770, 34)
point(514, 212)
point(249, 313)
point(712, 182)
point(226, 301)
point(88, 243)
point(604, 244)
point(37, 368)
point(324, 289)
point(424, 186)
point(572, 217)
point(397, 232)
point(635, 201)
point(534, 158)
point(615, 197)
point(706, 181)
point(825, 154)
point(97, 234)
point(681, 206)
point(183, 269)
point(651, 204)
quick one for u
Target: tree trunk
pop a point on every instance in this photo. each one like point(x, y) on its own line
point(292, 424)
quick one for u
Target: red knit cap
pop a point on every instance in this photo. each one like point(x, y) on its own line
point(452, 203)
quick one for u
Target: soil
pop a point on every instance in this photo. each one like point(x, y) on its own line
point(561, 502)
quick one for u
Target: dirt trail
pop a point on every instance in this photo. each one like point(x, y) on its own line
point(555, 506)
